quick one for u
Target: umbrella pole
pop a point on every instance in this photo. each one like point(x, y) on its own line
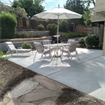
point(57, 33)
point(58, 29)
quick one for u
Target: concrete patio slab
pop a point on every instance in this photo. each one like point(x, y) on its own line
point(86, 74)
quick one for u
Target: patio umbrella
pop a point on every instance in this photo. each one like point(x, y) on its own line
point(58, 14)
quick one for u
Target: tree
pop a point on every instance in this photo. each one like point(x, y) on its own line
point(89, 2)
point(32, 7)
point(76, 6)
point(63, 26)
point(18, 11)
point(86, 18)
point(8, 24)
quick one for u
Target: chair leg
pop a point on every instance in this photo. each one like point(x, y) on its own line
point(17, 53)
point(7, 53)
point(50, 54)
point(62, 51)
point(77, 55)
point(29, 53)
point(70, 54)
point(34, 56)
point(41, 56)
point(11, 53)
point(61, 54)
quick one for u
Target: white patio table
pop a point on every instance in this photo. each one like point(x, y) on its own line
point(55, 47)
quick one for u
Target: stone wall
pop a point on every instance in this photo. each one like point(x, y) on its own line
point(104, 41)
point(34, 32)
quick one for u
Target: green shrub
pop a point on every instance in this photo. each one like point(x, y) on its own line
point(82, 42)
point(0, 29)
point(40, 27)
point(52, 29)
point(8, 24)
point(29, 35)
point(63, 26)
point(73, 35)
point(21, 35)
point(92, 41)
point(1, 56)
point(37, 35)
point(26, 45)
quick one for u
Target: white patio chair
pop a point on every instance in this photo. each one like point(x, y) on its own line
point(40, 49)
point(71, 48)
point(44, 42)
point(12, 49)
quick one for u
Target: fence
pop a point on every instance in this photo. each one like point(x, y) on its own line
point(31, 24)
point(92, 30)
point(88, 29)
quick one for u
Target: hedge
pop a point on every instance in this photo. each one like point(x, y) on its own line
point(24, 35)
point(73, 35)
point(26, 45)
point(92, 41)
point(52, 29)
point(63, 26)
point(8, 24)
point(40, 27)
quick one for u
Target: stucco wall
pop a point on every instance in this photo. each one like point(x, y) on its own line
point(100, 6)
point(104, 41)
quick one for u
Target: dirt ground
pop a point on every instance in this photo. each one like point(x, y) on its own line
point(71, 96)
point(11, 74)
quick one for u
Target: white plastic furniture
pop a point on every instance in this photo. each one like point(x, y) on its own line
point(55, 47)
point(71, 48)
point(41, 50)
point(12, 49)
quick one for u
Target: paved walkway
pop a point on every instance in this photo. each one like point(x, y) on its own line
point(86, 74)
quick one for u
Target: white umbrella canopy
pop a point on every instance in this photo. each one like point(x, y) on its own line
point(62, 13)
point(58, 13)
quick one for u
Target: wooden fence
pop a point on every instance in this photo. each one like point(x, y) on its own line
point(92, 30)
point(88, 29)
point(31, 24)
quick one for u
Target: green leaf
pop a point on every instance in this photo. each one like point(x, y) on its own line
point(1, 54)
point(6, 58)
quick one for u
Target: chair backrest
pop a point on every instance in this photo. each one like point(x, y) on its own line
point(10, 46)
point(39, 47)
point(70, 40)
point(73, 46)
point(46, 42)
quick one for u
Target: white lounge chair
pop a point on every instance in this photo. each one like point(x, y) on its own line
point(12, 49)
point(71, 48)
point(40, 49)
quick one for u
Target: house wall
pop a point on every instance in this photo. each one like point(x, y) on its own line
point(100, 6)
point(96, 17)
point(104, 41)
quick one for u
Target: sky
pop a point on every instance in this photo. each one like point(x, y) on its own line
point(48, 4)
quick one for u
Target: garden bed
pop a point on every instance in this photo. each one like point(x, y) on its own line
point(25, 39)
point(12, 74)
